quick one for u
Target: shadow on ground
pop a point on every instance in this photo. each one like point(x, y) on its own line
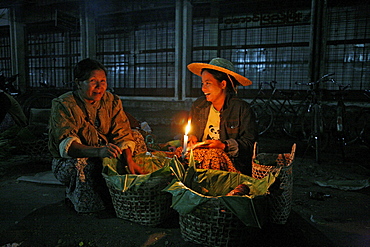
point(56, 225)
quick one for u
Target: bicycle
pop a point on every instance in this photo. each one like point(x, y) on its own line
point(308, 123)
point(348, 123)
point(264, 115)
point(40, 98)
point(365, 116)
point(269, 110)
point(11, 109)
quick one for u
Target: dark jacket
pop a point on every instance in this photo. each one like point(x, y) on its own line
point(237, 127)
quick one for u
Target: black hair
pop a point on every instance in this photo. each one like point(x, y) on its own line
point(220, 76)
point(82, 70)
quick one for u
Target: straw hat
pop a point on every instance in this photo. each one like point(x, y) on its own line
point(219, 64)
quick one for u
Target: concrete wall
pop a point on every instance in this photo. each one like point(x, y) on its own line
point(166, 118)
point(156, 112)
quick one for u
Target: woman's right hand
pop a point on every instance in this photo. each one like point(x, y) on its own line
point(192, 140)
point(109, 151)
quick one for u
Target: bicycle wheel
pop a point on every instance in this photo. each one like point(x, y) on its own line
point(42, 101)
point(293, 122)
point(354, 124)
point(264, 117)
point(317, 130)
point(365, 134)
point(315, 135)
point(328, 115)
point(319, 137)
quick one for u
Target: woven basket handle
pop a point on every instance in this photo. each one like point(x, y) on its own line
point(292, 153)
point(254, 151)
point(288, 162)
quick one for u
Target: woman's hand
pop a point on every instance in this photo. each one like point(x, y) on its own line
point(78, 150)
point(192, 140)
point(215, 144)
point(110, 151)
point(134, 168)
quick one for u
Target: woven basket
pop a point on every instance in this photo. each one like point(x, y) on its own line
point(149, 205)
point(212, 224)
point(280, 204)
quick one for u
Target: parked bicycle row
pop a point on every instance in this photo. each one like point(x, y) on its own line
point(306, 117)
point(310, 118)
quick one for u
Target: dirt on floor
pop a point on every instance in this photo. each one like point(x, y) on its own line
point(330, 206)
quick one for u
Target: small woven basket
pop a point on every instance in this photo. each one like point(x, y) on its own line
point(212, 224)
point(280, 204)
point(148, 205)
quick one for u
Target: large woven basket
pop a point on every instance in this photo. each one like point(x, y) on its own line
point(149, 205)
point(212, 224)
point(280, 202)
point(210, 218)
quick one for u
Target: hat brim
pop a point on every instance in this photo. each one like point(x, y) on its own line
point(196, 68)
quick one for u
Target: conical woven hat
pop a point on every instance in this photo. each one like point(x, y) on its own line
point(219, 64)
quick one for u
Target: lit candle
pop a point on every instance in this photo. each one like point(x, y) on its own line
point(186, 137)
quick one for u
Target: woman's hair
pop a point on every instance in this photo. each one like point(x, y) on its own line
point(220, 76)
point(83, 69)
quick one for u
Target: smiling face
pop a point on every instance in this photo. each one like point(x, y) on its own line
point(213, 89)
point(93, 89)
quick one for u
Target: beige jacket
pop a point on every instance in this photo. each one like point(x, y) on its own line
point(70, 121)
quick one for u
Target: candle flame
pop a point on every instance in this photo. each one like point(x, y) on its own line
point(187, 128)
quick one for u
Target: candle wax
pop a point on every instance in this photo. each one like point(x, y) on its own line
point(186, 138)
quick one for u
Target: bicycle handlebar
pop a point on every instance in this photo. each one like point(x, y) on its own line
point(305, 83)
point(322, 79)
point(273, 84)
point(325, 77)
point(343, 88)
point(267, 83)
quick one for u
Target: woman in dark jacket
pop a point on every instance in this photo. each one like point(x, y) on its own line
point(223, 122)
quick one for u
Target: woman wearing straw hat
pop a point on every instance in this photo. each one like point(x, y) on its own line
point(225, 123)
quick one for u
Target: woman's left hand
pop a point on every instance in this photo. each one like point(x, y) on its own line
point(215, 144)
point(134, 168)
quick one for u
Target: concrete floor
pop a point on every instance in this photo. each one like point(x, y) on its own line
point(33, 214)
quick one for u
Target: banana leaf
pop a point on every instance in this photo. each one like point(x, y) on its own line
point(177, 168)
point(200, 185)
point(114, 172)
